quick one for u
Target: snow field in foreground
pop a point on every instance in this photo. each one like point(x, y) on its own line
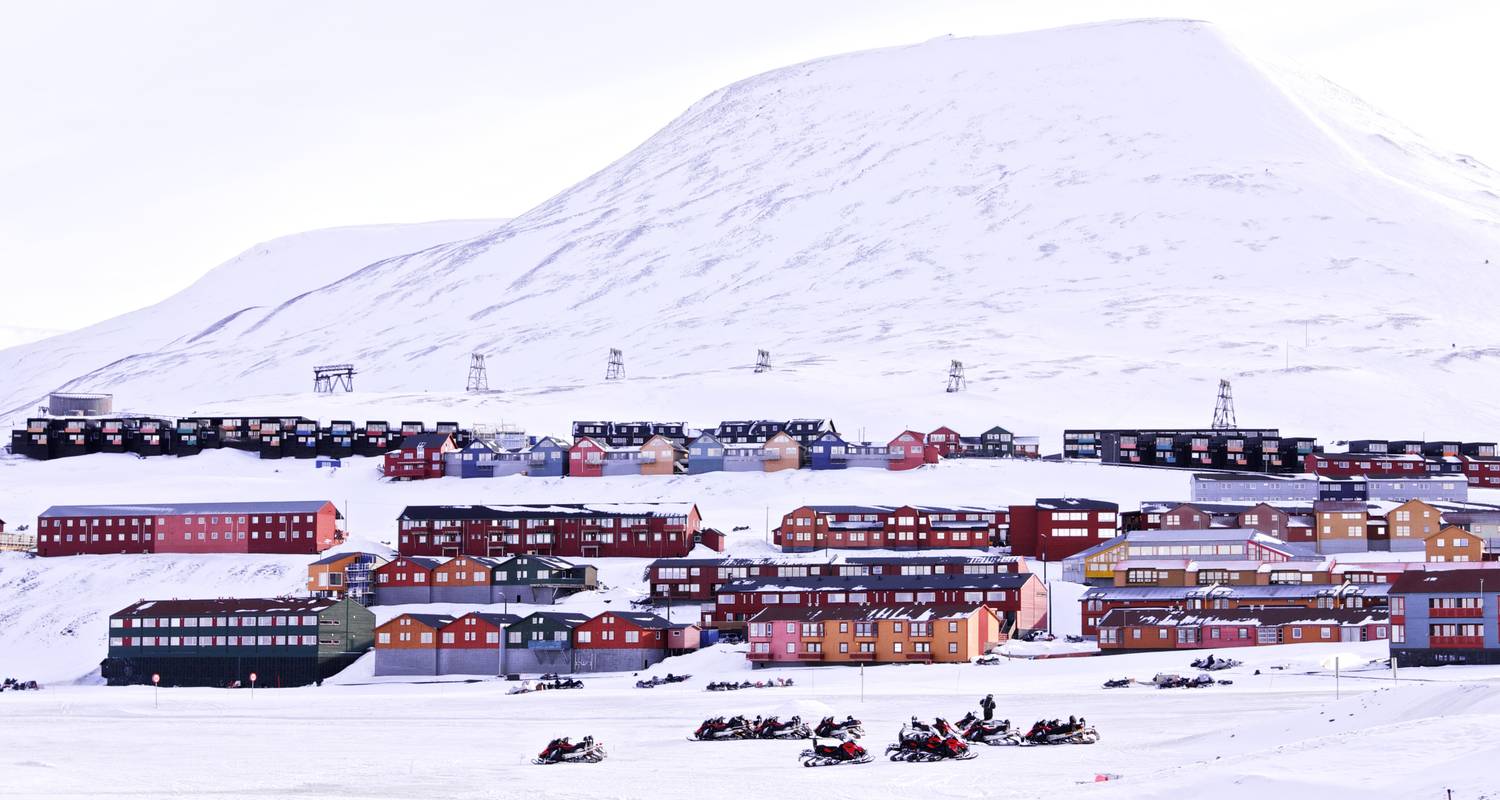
point(1282, 731)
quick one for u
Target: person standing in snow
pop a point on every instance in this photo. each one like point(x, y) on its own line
point(988, 705)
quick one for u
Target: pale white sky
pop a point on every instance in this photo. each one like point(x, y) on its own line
point(143, 143)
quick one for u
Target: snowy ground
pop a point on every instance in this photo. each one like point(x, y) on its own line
point(1282, 732)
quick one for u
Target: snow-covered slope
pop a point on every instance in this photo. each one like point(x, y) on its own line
point(262, 277)
point(1099, 220)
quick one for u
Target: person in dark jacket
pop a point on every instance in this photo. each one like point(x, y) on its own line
point(988, 705)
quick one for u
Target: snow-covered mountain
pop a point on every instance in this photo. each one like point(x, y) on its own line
point(1100, 220)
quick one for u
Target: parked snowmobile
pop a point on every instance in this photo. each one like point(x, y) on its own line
point(991, 732)
point(774, 728)
point(1212, 664)
point(850, 728)
point(987, 661)
point(659, 681)
point(1073, 731)
point(1167, 680)
point(561, 751)
point(1116, 683)
point(718, 729)
point(922, 742)
point(830, 755)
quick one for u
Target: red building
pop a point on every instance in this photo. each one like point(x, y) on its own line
point(420, 457)
point(699, 579)
point(1481, 471)
point(406, 579)
point(1020, 599)
point(1171, 629)
point(269, 527)
point(586, 458)
point(1054, 528)
point(593, 530)
point(1372, 465)
point(616, 641)
point(946, 441)
point(910, 450)
point(812, 528)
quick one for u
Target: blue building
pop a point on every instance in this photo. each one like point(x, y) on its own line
point(828, 452)
point(546, 458)
point(705, 454)
point(745, 457)
point(1446, 617)
point(474, 460)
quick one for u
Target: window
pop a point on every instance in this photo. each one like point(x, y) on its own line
point(585, 637)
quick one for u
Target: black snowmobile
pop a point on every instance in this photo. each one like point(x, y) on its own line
point(991, 732)
point(1073, 731)
point(850, 728)
point(1212, 664)
point(561, 751)
point(719, 729)
point(922, 742)
point(831, 755)
point(774, 728)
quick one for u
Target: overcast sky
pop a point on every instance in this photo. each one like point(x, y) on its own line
point(143, 143)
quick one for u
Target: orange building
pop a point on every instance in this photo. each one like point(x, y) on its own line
point(878, 635)
point(1454, 544)
point(663, 456)
point(1409, 524)
point(782, 452)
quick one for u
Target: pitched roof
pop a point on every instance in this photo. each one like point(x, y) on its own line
point(425, 440)
point(1074, 503)
point(226, 606)
point(336, 557)
point(164, 509)
point(642, 619)
point(430, 620)
point(499, 620)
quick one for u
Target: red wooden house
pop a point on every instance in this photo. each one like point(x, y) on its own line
point(405, 579)
point(811, 528)
point(698, 579)
point(470, 644)
point(946, 441)
point(910, 450)
point(618, 641)
point(420, 457)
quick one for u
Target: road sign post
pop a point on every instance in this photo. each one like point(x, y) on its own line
point(252, 686)
point(156, 689)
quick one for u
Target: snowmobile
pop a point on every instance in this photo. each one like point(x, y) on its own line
point(850, 728)
point(830, 755)
point(991, 732)
point(658, 681)
point(922, 742)
point(1074, 731)
point(1117, 683)
point(719, 729)
point(774, 728)
point(1167, 680)
point(561, 751)
point(1212, 664)
point(987, 661)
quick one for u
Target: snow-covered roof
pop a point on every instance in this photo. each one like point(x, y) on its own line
point(226, 606)
point(546, 510)
point(172, 509)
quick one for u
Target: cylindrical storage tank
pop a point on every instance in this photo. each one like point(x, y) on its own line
point(70, 404)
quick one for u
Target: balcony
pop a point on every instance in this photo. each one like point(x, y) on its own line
point(754, 656)
point(811, 655)
point(1457, 642)
point(770, 455)
point(1451, 613)
point(918, 656)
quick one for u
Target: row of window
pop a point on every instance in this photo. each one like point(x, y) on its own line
point(860, 598)
point(238, 621)
point(139, 521)
point(213, 641)
point(203, 536)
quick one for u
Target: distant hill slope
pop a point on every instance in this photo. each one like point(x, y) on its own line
point(1087, 216)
